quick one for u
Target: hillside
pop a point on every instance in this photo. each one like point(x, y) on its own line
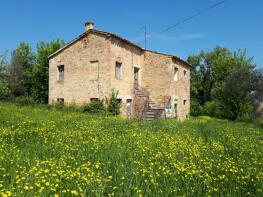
point(57, 153)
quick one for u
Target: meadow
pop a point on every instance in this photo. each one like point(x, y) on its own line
point(50, 152)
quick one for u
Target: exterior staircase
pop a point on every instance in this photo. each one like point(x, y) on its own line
point(150, 110)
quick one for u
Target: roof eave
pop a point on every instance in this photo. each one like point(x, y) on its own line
point(94, 31)
point(116, 36)
point(170, 55)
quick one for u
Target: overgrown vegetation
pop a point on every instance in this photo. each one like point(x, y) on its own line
point(25, 76)
point(49, 152)
point(94, 107)
point(114, 103)
point(225, 84)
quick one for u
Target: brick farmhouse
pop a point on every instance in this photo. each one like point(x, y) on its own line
point(150, 84)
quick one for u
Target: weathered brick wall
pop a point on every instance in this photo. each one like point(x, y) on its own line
point(158, 79)
point(129, 56)
point(90, 73)
point(86, 71)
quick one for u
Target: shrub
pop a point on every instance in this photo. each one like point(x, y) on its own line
point(59, 106)
point(211, 108)
point(23, 100)
point(94, 107)
point(195, 108)
point(4, 90)
point(114, 104)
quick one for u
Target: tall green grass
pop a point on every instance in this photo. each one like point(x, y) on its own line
point(49, 152)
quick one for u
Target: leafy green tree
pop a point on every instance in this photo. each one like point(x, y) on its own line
point(3, 65)
point(20, 70)
point(4, 85)
point(114, 104)
point(4, 90)
point(40, 70)
point(241, 94)
point(210, 70)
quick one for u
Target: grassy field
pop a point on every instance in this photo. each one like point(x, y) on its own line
point(46, 152)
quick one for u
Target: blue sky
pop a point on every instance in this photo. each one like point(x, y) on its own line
point(235, 24)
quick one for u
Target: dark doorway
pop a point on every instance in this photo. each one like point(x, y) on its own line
point(136, 77)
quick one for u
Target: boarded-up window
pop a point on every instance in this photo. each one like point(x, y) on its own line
point(175, 76)
point(118, 66)
point(61, 73)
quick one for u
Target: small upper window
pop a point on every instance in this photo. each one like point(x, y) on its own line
point(61, 73)
point(175, 74)
point(185, 72)
point(118, 66)
point(184, 101)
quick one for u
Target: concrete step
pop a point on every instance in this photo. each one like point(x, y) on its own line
point(150, 114)
point(151, 110)
point(139, 95)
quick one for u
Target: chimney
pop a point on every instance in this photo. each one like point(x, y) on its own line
point(89, 25)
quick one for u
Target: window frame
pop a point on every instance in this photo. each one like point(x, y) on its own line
point(176, 73)
point(61, 72)
point(94, 99)
point(118, 70)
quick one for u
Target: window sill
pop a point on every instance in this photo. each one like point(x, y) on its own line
point(60, 81)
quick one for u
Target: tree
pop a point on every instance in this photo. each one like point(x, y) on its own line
point(3, 65)
point(210, 70)
point(40, 70)
point(20, 70)
point(4, 86)
point(241, 94)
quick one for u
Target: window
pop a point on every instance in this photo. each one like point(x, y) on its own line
point(94, 61)
point(61, 73)
point(128, 108)
point(60, 100)
point(175, 74)
point(184, 101)
point(94, 66)
point(175, 109)
point(94, 99)
point(185, 72)
point(118, 66)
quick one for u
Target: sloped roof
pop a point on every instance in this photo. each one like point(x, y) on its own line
point(115, 36)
